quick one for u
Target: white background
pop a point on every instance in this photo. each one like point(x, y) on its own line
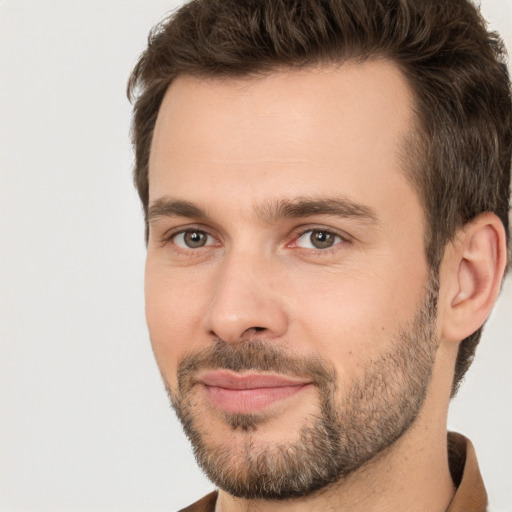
point(85, 424)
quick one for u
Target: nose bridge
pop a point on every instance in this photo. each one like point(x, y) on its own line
point(245, 298)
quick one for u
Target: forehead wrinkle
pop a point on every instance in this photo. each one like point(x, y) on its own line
point(271, 211)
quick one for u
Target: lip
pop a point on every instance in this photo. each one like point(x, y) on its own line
point(232, 380)
point(248, 393)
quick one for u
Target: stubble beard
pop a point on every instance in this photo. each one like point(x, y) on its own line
point(342, 437)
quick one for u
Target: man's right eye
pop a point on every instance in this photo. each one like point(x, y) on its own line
point(192, 239)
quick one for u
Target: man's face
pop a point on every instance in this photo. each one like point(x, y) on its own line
point(287, 294)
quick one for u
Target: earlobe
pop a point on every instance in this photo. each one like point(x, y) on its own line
point(479, 259)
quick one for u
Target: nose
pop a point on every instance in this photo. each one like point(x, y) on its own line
point(246, 301)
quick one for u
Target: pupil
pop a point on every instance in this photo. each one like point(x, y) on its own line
point(195, 239)
point(321, 239)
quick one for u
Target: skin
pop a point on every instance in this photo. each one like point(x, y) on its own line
point(236, 147)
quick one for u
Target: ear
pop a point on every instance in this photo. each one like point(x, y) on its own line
point(472, 270)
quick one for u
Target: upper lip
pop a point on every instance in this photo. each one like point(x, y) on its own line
point(232, 380)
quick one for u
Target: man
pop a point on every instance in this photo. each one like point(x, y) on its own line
point(326, 189)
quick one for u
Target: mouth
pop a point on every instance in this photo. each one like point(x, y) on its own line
point(248, 393)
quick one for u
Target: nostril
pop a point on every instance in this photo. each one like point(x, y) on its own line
point(253, 330)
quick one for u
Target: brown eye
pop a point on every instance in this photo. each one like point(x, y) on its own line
point(318, 239)
point(192, 239)
point(322, 239)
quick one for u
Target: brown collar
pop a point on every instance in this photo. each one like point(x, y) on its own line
point(470, 495)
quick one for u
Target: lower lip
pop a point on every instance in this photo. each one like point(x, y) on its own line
point(247, 401)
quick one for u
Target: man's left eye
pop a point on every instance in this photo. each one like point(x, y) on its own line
point(318, 239)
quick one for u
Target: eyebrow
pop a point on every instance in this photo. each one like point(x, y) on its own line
point(272, 211)
point(166, 207)
point(307, 207)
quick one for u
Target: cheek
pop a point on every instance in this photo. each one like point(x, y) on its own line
point(356, 317)
point(173, 318)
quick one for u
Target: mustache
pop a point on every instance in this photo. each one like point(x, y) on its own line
point(256, 355)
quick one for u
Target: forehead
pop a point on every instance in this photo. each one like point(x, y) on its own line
point(324, 126)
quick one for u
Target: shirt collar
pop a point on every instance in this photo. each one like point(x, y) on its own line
point(470, 495)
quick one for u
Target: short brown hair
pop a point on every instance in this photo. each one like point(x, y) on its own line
point(455, 67)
